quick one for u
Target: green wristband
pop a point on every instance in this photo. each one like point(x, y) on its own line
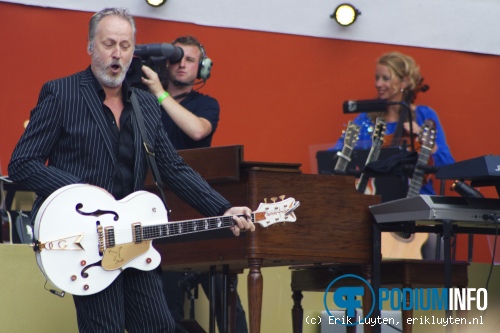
point(163, 96)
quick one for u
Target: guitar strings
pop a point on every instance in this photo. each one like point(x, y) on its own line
point(161, 230)
point(169, 229)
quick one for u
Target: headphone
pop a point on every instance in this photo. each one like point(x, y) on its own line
point(204, 66)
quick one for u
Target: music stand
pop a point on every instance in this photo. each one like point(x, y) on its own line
point(389, 186)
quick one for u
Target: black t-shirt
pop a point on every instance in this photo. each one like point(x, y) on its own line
point(200, 105)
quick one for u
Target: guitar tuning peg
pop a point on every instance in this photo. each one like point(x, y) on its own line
point(282, 197)
point(273, 199)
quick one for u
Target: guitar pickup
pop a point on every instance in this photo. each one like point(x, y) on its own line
point(109, 234)
point(137, 232)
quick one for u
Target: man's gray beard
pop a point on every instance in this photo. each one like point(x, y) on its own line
point(104, 78)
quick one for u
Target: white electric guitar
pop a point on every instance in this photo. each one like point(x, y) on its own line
point(85, 238)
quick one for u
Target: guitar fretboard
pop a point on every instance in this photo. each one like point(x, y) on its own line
point(372, 156)
point(350, 140)
point(377, 142)
point(185, 227)
point(418, 173)
point(343, 159)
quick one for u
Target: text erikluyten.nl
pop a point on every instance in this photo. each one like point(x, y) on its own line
point(444, 321)
point(421, 320)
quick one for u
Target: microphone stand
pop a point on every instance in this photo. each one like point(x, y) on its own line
point(378, 108)
point(407, 108)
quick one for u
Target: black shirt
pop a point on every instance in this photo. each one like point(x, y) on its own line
point(123, 142)
point(200, 105)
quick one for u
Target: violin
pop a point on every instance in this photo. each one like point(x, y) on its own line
point(401, 137)
point(408, 140)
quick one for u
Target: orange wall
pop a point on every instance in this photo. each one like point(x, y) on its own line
point(280, 94)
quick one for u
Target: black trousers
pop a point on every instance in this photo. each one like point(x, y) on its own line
point(134, 301)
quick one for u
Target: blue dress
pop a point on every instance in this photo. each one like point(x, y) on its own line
point(441, 157)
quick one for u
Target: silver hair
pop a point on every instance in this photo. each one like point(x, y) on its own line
point(97, 17)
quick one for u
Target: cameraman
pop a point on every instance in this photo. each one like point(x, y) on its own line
point(190, 120)
point(191, 117)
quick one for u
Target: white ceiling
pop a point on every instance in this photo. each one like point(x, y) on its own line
point(462, 25)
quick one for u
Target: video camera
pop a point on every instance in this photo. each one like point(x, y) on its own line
point(154, 56)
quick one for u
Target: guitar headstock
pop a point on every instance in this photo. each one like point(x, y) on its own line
point(351, 134)
point(427, 135)
point(378, 132)
point(275, 212)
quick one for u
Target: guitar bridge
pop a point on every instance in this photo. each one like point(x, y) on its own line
point(100, 237)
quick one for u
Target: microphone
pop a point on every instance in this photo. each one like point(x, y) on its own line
point(173, 53)
point(465, 190)
point(369, 105)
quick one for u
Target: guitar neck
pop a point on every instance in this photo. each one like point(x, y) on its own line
point(350, 139)
point(171, 229)
point(418, 173)
point(363, 179)
point(343, 159)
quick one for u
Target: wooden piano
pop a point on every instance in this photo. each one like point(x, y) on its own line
point(333, 222)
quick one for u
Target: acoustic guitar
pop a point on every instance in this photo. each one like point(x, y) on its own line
point(350, 139)
point(377, 142)
point(400, 245)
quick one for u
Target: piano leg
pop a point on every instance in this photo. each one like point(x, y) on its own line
point(297, 311)
point(255, 286)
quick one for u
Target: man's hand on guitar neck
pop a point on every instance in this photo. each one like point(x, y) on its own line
point(243, 223)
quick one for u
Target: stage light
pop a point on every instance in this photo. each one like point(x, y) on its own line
point(156, 3)
point(345, 14)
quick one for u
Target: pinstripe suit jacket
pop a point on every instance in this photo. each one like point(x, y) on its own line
point(65, 143)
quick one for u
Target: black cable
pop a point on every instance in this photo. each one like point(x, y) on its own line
point(176, 97)
point(495, 218)
point(494, 252)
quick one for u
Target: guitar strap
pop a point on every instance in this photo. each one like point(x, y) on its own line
point(404, 116)
point(149, 149)
point(398, 132)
